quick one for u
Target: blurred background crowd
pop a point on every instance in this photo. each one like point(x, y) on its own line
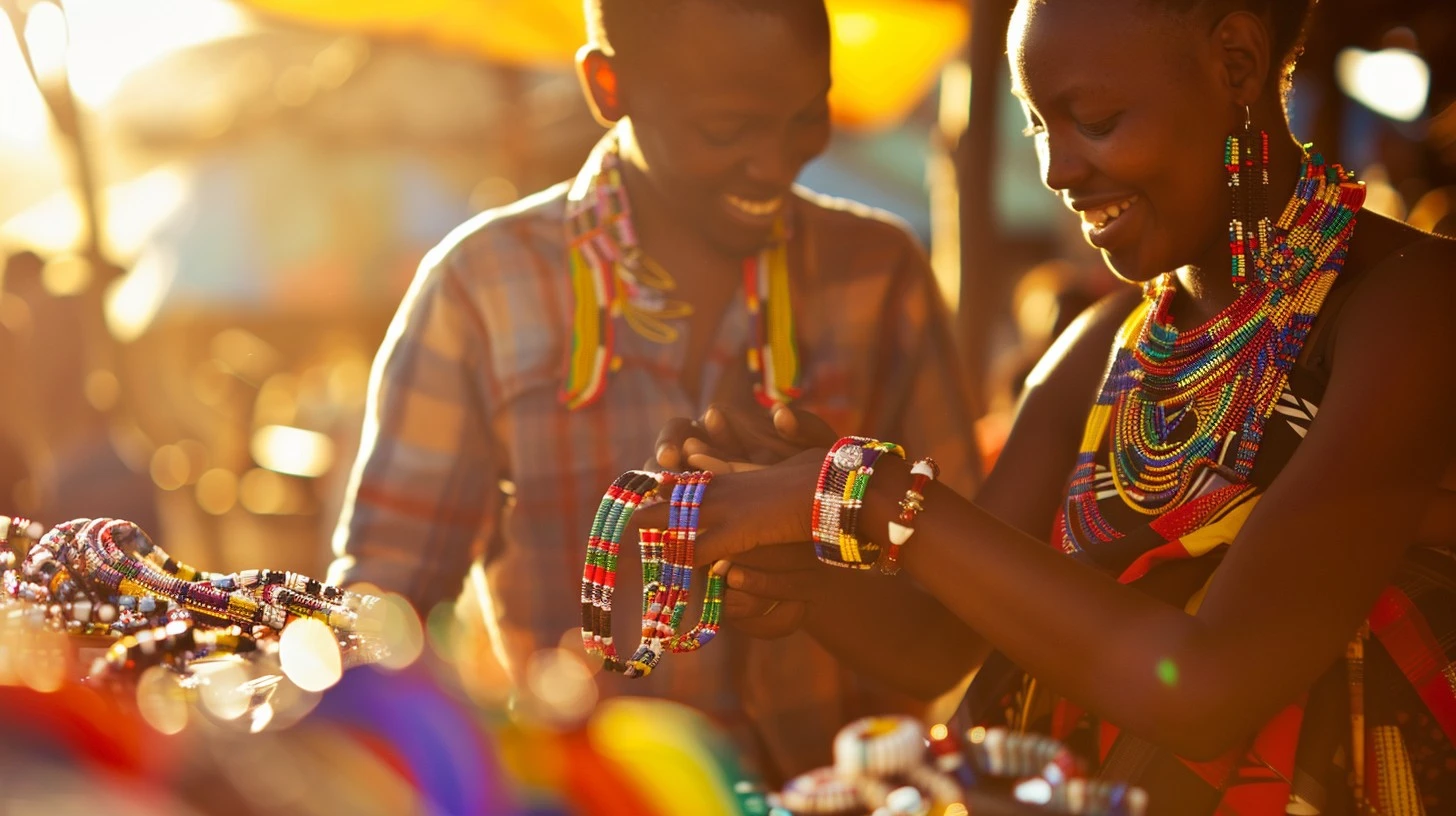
point(209, 210)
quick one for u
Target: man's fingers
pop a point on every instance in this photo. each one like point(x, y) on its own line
point(704, 461)
point(670, 440)
point(803, 428)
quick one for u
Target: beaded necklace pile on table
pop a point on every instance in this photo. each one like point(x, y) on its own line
point(106, 577)
point(612, 277)
point(1180, 402)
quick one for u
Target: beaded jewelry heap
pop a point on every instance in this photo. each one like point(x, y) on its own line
point(667, 569)
point(891, 765)
point(106, 577)
point(1182, 407)
point(612, 277)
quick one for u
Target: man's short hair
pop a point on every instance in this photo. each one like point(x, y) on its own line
point(622, 26)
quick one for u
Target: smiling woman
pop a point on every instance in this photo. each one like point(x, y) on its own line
point(1237, 459)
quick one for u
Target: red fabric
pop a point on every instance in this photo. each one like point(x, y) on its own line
point(1404, 633)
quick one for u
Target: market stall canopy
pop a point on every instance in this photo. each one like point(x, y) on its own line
point(887, 53)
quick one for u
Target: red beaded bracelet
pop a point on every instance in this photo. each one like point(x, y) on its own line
point(902, 527)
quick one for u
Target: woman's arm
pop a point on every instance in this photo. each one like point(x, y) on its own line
point(862, 616)
point(1304, 571)
point(1301, 575)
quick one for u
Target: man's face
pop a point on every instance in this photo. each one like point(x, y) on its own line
point(726, 107)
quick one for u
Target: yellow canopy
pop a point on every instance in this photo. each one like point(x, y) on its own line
point(887, 53)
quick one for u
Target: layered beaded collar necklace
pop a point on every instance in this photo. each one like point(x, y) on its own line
point(1184, 401)
point(611, 278)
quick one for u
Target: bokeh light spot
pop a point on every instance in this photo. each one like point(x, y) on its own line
point(309, 654)
point(1167, 672)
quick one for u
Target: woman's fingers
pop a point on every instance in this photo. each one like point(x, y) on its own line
point(793, 585)
point(763, 618)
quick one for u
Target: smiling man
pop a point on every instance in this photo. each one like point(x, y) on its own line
point(543, 345)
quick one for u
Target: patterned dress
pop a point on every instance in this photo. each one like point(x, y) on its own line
point(1392, 699)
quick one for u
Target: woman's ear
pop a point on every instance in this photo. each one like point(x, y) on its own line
point(1242, 44)
point(599, 79)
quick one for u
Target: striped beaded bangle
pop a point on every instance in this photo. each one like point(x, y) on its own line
point(667, 568)
point(667, 587)
point(878, 746)
point(902, 527)
point(820, 791)
point(604, 544)
point(838, 497)
point(707, 626)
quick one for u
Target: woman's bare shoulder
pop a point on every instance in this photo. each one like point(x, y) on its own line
point(1077, 360)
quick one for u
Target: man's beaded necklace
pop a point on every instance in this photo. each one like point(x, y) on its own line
point(612, 277)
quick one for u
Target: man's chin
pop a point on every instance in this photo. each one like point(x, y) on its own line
point(739, 240)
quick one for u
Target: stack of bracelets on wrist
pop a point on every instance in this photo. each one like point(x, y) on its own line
point(106, 577)
point(838, 498)
point(667, 569)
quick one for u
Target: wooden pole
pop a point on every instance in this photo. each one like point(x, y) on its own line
point(980, 227)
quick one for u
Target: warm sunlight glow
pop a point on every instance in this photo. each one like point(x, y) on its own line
point(293, 451)
point(109, 39)
point(1393, 82)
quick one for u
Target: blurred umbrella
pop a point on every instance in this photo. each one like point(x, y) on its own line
point(887, 53)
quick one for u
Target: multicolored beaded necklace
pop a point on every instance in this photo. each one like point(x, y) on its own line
point(1181, 403)
point(106, 577)
point(612, 277)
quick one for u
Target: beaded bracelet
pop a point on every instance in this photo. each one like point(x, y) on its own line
point(604, 544)
point(838, 497)
point(661, 574)
point(820, 791)
point(667, 568)
point(666, 585)
point(712, 617)
point(878, 746)
point(902, 527)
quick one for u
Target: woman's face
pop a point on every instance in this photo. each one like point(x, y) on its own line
point(1129, 119)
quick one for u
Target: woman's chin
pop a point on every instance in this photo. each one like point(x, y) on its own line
point(1126, 266)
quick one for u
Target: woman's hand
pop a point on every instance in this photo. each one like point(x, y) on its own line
point(771, 589)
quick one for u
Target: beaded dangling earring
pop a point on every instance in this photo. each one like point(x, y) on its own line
point(1246, 158)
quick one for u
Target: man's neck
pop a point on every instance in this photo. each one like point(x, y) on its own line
point(700, 269)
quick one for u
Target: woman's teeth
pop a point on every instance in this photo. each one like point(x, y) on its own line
point(1103, 216)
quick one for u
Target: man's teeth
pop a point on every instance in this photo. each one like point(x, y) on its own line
point(768, 207)
point(1103, 216)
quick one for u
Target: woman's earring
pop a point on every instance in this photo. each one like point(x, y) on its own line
point(1246, 158)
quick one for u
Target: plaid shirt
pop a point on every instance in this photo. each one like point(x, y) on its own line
point(467, 452)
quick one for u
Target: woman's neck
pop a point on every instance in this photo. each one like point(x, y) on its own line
point(1207, 288)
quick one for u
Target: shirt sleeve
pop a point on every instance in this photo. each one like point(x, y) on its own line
point(423, 488)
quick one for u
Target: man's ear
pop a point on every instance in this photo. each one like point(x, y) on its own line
point(598, 75)
point(1241, 42)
